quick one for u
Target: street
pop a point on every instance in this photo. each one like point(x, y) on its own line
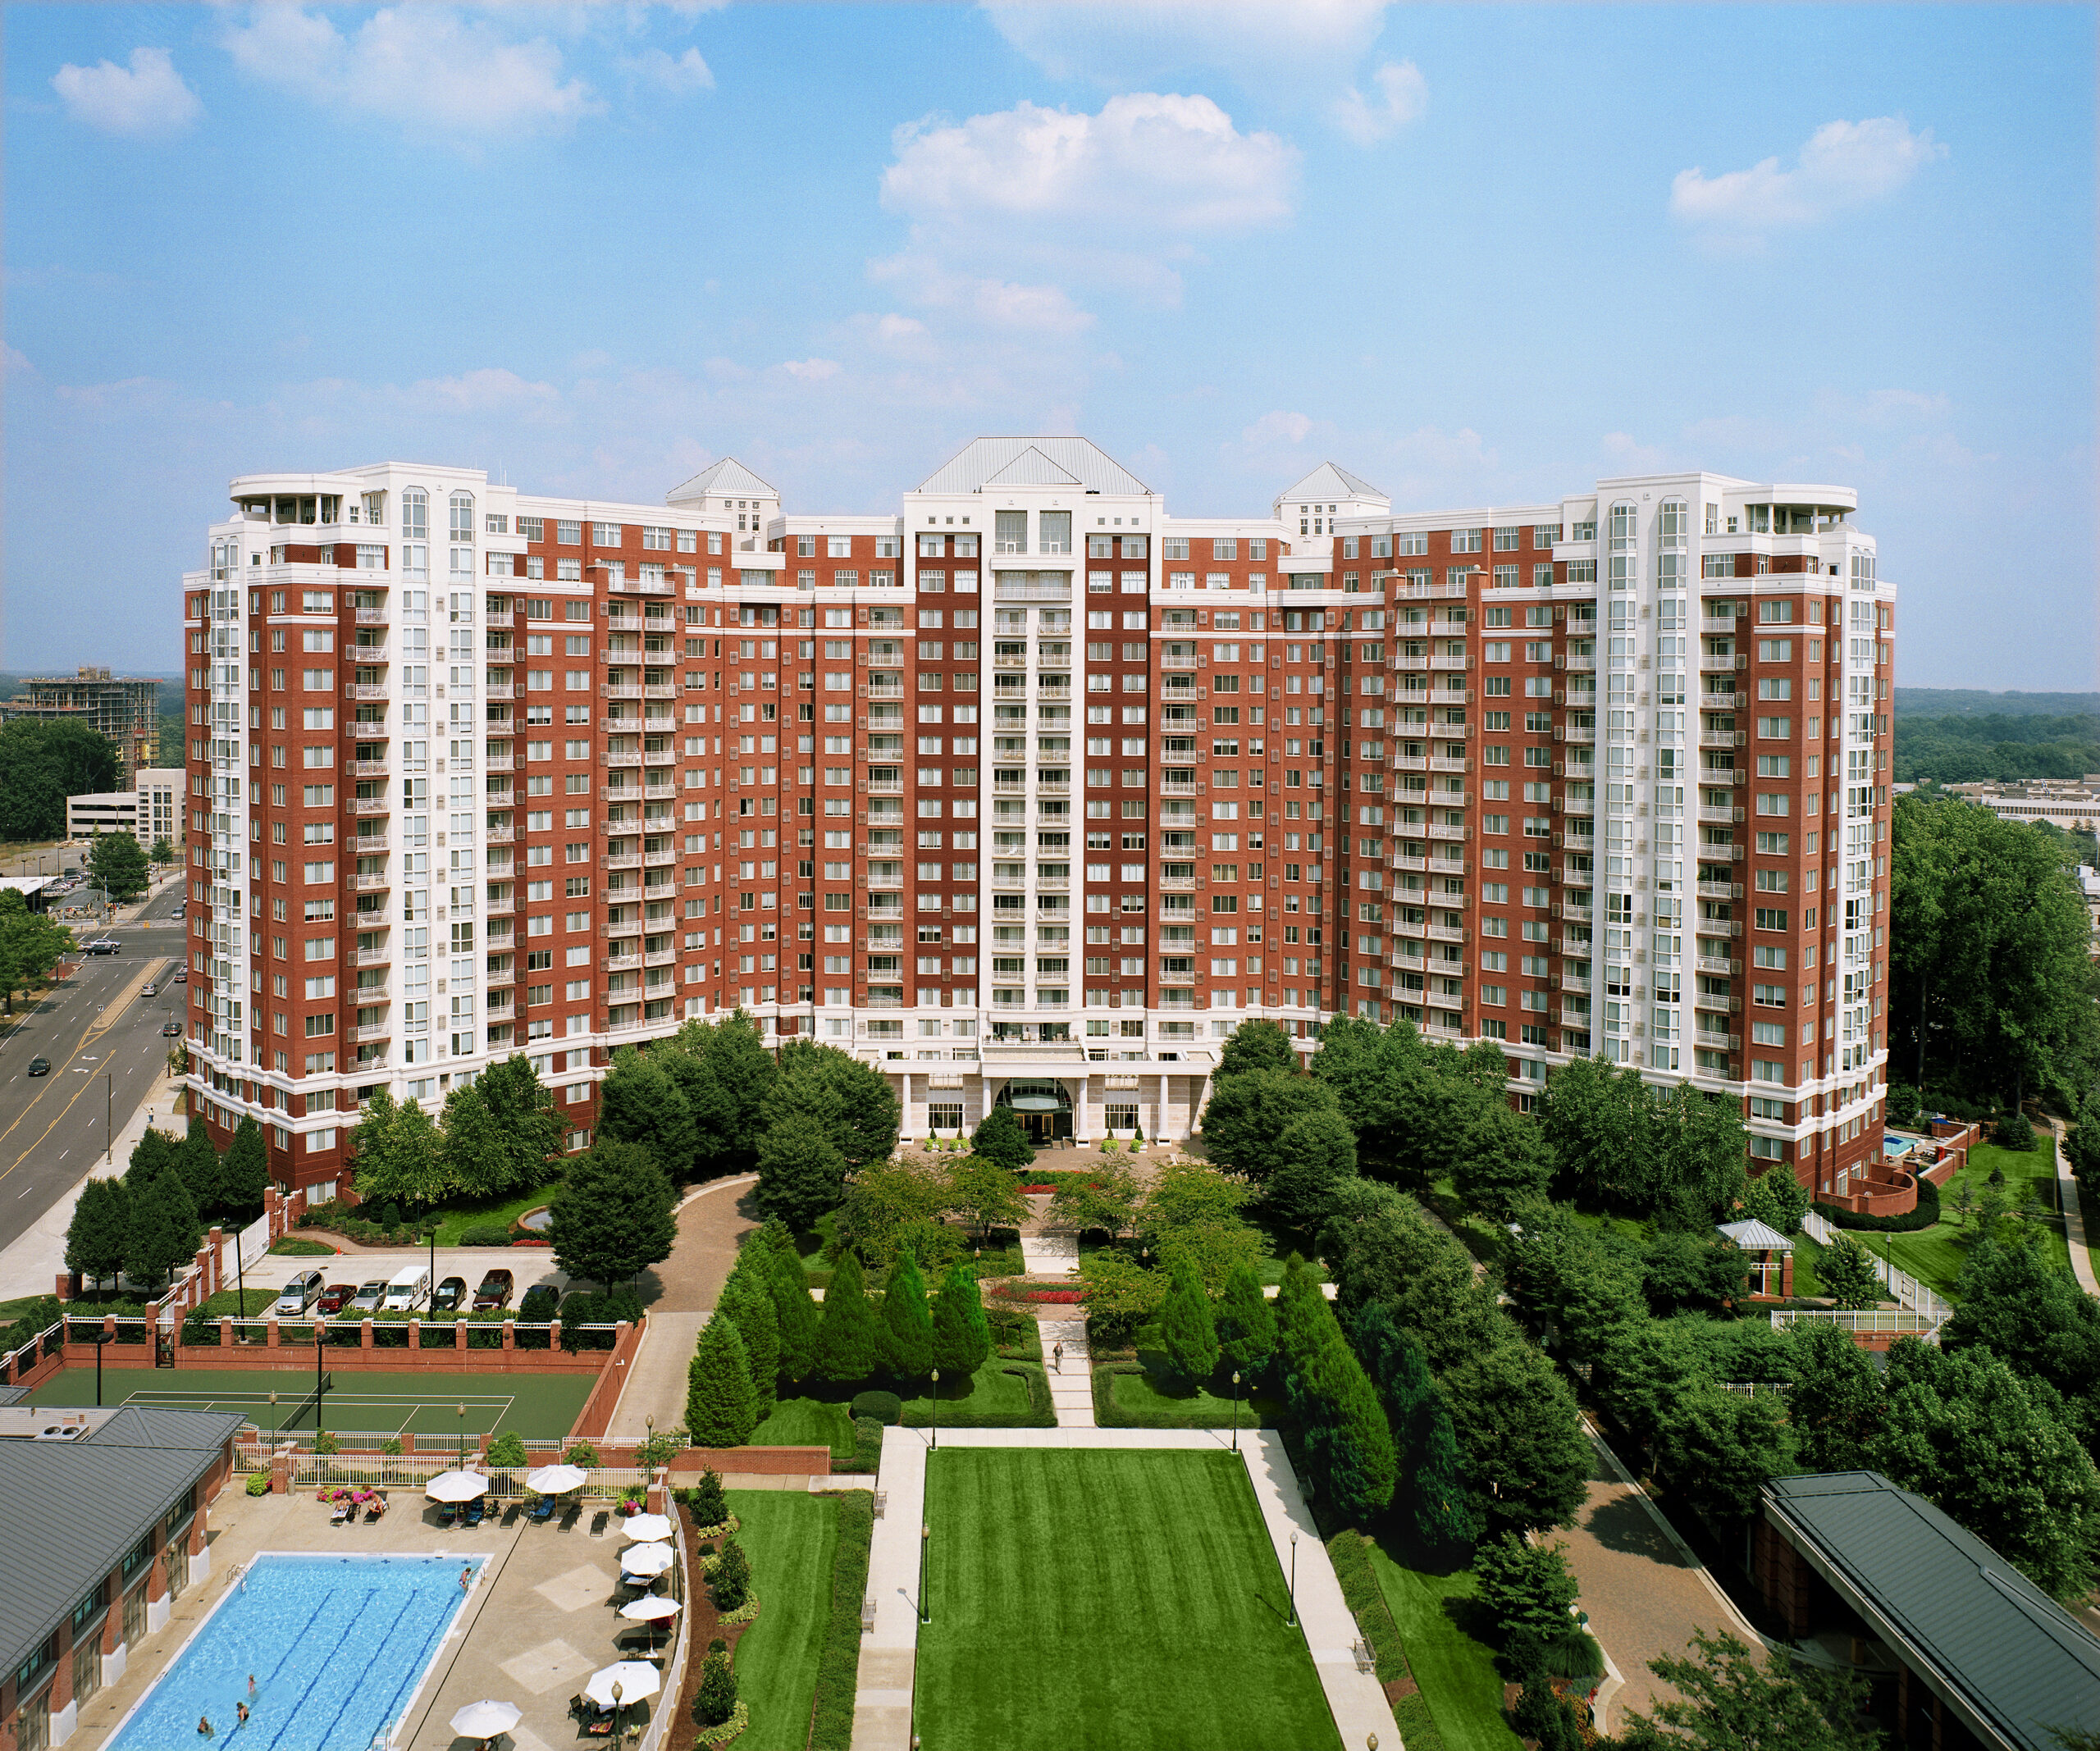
point(103, 1040)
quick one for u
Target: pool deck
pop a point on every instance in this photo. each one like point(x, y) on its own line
point(540, 1621)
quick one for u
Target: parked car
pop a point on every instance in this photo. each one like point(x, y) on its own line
point(336, 1297)
point(496, 1291)
point(409, 1289)
point(172, 1030)
point(300, 1293)
point(448, 1295)
point(150, 989)
point(182, 975)
point(105, 946)
point(39, 1066)
point(368, 1296)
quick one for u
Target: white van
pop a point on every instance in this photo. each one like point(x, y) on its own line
point(409, 1289)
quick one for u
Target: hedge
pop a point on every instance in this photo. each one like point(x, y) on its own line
point(1924, 1216)
point(1350, 1553)
point(1110, 1413)
point(1041, 1415)
point(838, 1667)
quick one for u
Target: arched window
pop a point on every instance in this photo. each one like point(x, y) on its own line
point(1623, 540)
point(463, 517)
point(415, 514)
point(1673, 535)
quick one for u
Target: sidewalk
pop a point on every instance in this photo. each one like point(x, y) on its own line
point(882, 1715)
point(2074, 1234)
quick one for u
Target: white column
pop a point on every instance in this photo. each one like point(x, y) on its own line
point(1082, 1132)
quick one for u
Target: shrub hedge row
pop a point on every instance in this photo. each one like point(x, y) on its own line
point(1041, 1415)
point(831, 1723)
point(1924, 1216)
point(1109, 1412)
point(1350, 1553)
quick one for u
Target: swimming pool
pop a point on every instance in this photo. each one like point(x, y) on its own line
point(336, 1644)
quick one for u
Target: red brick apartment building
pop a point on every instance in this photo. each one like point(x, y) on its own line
point(1029, 792)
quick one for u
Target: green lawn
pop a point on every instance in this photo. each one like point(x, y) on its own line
point(807, 1422)
point(790, 1540)
point(455, 1219)
point(1144, 1398)
point(1934, 1255)
point(1108, 1601)
point(1457, 1673)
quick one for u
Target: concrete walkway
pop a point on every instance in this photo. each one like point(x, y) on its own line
point(1050, 1253)
point(1643, 1588)
point(1071, 1382)
point(2074, 1234)
point(882, 1718)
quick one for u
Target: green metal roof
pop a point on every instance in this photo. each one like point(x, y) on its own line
point(1998, 1649)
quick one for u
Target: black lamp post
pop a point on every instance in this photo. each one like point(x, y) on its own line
point(320, 1337)
point(101, 1337)
point(935, 1442)
point(925, 1533)
point(1235, 1409)
point(1294, 1580)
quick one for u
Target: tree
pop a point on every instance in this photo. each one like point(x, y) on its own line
point(848, 1344)
point(1245, 1122)
point(612, 1217)
point(1000, 1139)
point(710, 1506)
point(1728, 1700)
point(639, 1103)
point(1526, 1452)
point(1847, 1274)
point(153, 1150)
point(1684, 1270)
point(100, 1231)
point(1104, 1198)
point(1317, 1151)
point(30, 944)
point(795, 1314)
point(198, 1162)
point(1186, 1330)
point(1965, 1199)
point(1599, 1123)
point(2016, 1305)
point(1246, 1328)
point(746, 1297)
point(1527, 1586)
point(1834, 1401)
point(1122, 1297)
point(852, 1101)
point(399, 1157)
point(1213, 1250)
point(117, 863)
point(983, 1193)
point(801, 1173)
point(1503, 1164)
point(244, 1169)
point(1425, 1449)
point(721, 1409)
point(1349, 1444)
point(724, 1071)
point(730, 1578)
point(1718, 1449)
point(894, 1205)
point(907, 1323)
point(43, 761)
point(1183, 1193)
point(1701, 1145)
point(962, 1336)
point(1425, 1276)
point(162, 852)
point(510, 1153)
point(1778, 1199)
point(163, 1230)
point(1995, 1453)
point(1256, 1046)
point(716, 1700)
point(2081, 1148)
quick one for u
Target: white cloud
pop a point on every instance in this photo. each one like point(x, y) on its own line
point(147, 97)
point(687, 73)
point(812, 370)
point(1628, 453)
point(1400, 95)
point(425, 67)
point(1147, 160)
point(1117, 42)
point(895, 329)
point(1277, 427)
point(1844, 165)
point(924, 276)
point(485, 391)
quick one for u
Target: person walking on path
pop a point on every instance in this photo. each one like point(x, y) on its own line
point(1058, 1357)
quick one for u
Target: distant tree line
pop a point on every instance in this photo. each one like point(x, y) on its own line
point(1967, 750)
point(43, 761)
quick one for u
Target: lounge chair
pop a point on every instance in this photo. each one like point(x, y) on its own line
point(543, 1511)
point(475, 1510)
point(448, 1513)
point(599, 1522)
point(342, 1511)
point(375, 1509)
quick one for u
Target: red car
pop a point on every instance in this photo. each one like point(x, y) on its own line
point(336, 1297)
point(497, 1286)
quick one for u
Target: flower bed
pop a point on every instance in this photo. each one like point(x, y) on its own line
point(1031, 1292)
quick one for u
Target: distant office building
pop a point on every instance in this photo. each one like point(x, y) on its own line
point(126, 711)
point(151, 812)
point(2074, 805)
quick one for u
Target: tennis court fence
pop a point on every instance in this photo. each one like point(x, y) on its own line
point(414, 1472)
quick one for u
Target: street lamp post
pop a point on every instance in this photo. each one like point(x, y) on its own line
point(1235, 1409)
point(935, 1442)
point(616, 1711)
point(1294, 1580)
point(463, 1437)
point(101, 1337)
point(925, 1532)
point(108, 1112)
point(320, 1337)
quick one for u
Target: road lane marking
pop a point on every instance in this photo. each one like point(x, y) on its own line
point(111, 1011)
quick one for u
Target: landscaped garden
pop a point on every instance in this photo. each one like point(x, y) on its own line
point(792, 1540)
point(1934, 1255)
point(1100, 1601)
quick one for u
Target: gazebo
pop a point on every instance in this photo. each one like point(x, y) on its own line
point(1769, 1257)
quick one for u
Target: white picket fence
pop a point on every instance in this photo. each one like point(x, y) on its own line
point(1934, 1309)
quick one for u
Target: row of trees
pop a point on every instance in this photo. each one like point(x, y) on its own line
point(43, 761)
point(151, 1221)
point(767, 1333)
point(496, 1137)
point(30, 944)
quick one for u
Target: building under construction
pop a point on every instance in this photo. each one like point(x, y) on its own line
point(124, 711)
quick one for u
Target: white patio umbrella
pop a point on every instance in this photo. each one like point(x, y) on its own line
point(645, 1559)
point(650, 1606)
point(485, 1720)
point(645, 1528)
point(557, 1480)
point(456, 1486)
point(636, 1678)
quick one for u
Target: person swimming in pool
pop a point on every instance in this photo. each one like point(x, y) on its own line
point(204, 1726)
point(241, 1716)
point(467, 1579)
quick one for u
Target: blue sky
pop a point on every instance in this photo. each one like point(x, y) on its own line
point(1478, 255)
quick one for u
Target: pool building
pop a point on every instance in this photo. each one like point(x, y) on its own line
point(102, 1528)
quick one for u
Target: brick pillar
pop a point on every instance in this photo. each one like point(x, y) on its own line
point(112, 1638)
point(200, 1547)
point(68, 1286)
point(364, 1334)
point(280, 1472)
point(407, 1441)
point(65, 1714)
point(554, 1333)
point(158, 1604)
point(415, 1334)
point(659, 1491)
point(214, 1243)
point(1786, 1275)
point(226, 1334)
point(510, 1335)
point(273, 1338)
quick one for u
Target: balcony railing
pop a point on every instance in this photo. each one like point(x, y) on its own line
point(371, 616)
point(377, 1030)
point(1715, 964)
point(621, 860)
point(621, 963)
point(371, 957)
point(369, 805)
point(623, 757)
point(621, 690)
point(352, 691)
point(371, 884)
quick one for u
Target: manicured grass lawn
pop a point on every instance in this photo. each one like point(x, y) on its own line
point(1141, 1394)
point(1934, 1255)
point(790, 1540)
point(1107, 1602)
point(807, 1422)
point(456, 1219)
point(990, 1396)
point(1457, 1673)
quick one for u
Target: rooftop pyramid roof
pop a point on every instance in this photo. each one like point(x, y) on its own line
point(726, 477)
point(1033, 462)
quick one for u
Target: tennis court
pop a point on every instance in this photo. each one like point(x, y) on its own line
point(537, 1406)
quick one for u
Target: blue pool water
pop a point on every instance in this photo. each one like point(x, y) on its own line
point(337, 1646)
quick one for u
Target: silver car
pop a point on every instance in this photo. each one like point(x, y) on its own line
point(299, 1294)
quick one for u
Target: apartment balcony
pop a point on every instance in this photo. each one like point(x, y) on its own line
point(1054, 689)
point(1179, 662)
point(1573, 982)
point(620, 690)
point(659, 860)
point(1418, 865)
point(1720, 890)
point(1713, 817)
point(1447, 866)
point(1713, 665)
point(1438, 830)
point(1055, 587)
point(1581, 737)
point(367, 693)
point(1707, 1000)
point(1011, 662)
point(620, 860)
point(660, 793)
point(500, 616)
point(497, 978)
point(377, 1030)
point(1449, 665)
point(1442, 1026)
point(623, 757)
point(374, 655)
point(502, 908)
point(371, 884)
point(660, 957)
point(498, 763)
point(371, 957)
point(501, 690)
point(1446, 933)
point(371, 616)
point(1410, 763)
point(1719, 739)
point(1175, 884)
point(365, 769)
point(1412, 665)
point(1713, 1042)
point(1404, 962)
point(1718, 966)
point(1581, 665)
point(1170, 790)
point(1578, 914)
point(1054, 884)
point(621, 963)
point(1054, 786)
point(370, 806)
